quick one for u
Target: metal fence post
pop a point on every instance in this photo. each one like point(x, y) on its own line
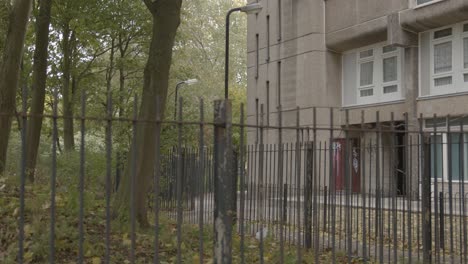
point(308, 196)
point(441, 220)
point(222, 183)
point(426, 201)
point(234, 174)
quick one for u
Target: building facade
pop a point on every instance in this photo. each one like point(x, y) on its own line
point(391, 61)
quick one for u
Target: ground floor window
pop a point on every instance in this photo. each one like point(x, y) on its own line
point(449, 156)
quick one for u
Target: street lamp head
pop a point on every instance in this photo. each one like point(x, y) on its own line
point(191, 81)
point(251, 8)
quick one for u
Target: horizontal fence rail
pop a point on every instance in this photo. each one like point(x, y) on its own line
point(388, 191)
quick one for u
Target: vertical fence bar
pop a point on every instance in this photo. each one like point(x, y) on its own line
point(201, 169)
point(441, 222)
point(260, 183)
point(269, 186)
point(408, 188)
point(436, 189)
point(179, 182)
point(420, 164)
point(108, 174)
point(249, 185)
point(463, 205)
point(53, 179)
point(132, 178)
point(379, 222)
point(298, 184)
point(280, 183)
point(348, 219)
point(332, 179)
point(426, 199)
point(450, 187)
point(369, 204)
point(316, 188)
point(81, 180)
point(291, 222)
point(307, 197)
point(362, 155)
point(223, 184)
point(157, 179)
point(242, 186)
point(24, 150)
point(256, 184)
point(393, 185)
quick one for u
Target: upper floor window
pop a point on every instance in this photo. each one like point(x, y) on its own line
point(372, 75)
point(418, 3)
point(448, 63)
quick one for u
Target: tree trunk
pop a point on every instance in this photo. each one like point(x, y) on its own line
point(166, 20)
point(38, 86)
point(110, 70)
point(123, 50)
point(10, 70)
point(68, 137)
point(120, 154)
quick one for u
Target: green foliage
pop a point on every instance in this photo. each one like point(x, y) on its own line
point(198, 53)
point(5, 8)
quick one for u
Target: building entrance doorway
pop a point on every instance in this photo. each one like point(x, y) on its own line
point(339, 163)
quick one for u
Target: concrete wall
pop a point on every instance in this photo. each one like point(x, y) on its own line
point(300, 49)
point(341, 14)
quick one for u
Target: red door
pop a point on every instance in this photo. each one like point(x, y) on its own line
point(339, 150)
point(338, 163)
point(356, 165)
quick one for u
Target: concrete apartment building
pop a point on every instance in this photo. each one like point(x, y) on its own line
point(406, 57)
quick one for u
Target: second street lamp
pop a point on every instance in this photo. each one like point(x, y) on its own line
point(248, 9)
point(179, 84)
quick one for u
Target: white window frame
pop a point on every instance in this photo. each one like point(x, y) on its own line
point(445, 161)
point(442, 131)
point(438, 90)
point(378, 83)
point(414, 3)
point(395, 95)
point(458, 71)
point(366, 99)
point(464, 70)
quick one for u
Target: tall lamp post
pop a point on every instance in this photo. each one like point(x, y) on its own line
point(248, 9)
point(179, 85)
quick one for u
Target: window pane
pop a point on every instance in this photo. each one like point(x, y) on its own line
point(455, 161)
point(443, 57)
point(436, 156)
point(366, 54)
point(390, 89)
point(465, 77)
point(390, 69)
point(443, 81)
point(465, 52)
point(457, 121)
point(387, 49)
point(455, 158)
point(437, 122)
point(465, 28)
point(367, 73)
point(366, 92)
point(443, 33)
point(420, 2)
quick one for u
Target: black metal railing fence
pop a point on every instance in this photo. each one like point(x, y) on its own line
point(370, 191)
